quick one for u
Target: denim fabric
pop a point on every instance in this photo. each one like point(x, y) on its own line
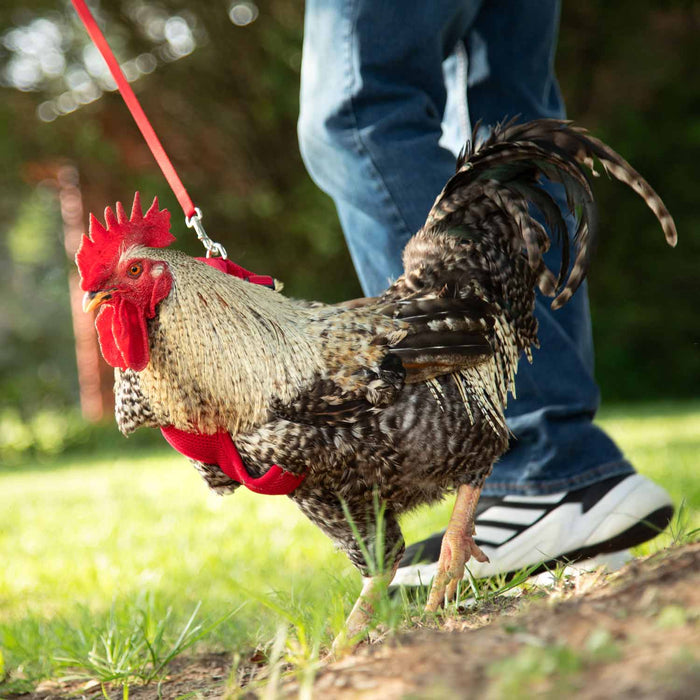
point(389, 93)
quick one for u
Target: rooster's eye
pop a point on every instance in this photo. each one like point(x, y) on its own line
point(135, 270)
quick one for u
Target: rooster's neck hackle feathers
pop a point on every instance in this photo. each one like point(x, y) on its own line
point(100, 249)
point(222, 349)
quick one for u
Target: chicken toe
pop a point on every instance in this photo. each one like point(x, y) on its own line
point(457, 548)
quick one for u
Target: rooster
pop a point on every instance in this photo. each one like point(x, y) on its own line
point(388, 402)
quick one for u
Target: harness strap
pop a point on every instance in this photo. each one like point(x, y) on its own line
point(230, 268)
point(219, 449)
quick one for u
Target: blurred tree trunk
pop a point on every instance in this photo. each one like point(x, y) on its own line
point(95, 377)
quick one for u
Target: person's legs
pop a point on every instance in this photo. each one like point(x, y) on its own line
point(563, 489)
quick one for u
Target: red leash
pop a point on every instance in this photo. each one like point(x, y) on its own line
point(193, 216)
point(135, 108)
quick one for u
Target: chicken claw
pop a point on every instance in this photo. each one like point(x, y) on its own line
point(457, 547)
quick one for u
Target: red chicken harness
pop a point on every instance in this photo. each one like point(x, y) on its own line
point(219, 448)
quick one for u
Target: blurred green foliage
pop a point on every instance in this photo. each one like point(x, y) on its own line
point(227, 111)
point(37, 439)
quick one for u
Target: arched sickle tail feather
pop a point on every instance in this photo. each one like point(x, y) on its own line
point(507, 169)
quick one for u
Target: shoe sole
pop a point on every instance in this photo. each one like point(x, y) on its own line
point(639, 533)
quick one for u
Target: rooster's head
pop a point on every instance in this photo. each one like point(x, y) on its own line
point(122, 281)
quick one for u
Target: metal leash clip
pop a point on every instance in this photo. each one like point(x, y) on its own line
point(212, 247)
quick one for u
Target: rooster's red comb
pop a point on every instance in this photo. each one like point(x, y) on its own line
point(100, 249)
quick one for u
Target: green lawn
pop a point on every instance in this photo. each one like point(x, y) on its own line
point(92, 544)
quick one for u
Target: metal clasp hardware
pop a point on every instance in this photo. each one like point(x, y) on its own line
point(212, 247)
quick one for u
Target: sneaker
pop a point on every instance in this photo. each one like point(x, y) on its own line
point(522, 531)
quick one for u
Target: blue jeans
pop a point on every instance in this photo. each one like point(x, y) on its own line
point(389, 91)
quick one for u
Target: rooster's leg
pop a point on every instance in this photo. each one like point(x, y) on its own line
point(457, 547)
point(361, 613)
point(355, 528)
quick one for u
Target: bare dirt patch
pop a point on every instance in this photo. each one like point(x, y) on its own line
point(631, 634)
point(635, 633)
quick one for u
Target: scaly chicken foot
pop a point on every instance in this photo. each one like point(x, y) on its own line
point(457, 547)
point(361, 613)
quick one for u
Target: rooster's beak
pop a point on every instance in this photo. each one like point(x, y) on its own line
point(92, 300)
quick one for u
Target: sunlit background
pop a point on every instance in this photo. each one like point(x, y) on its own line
point(49, 54)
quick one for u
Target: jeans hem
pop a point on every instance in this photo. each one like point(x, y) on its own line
point(545, 487)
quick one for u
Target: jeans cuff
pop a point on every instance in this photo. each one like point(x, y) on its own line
point(543, 487)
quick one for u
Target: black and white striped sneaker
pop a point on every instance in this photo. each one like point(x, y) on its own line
point(520, 531)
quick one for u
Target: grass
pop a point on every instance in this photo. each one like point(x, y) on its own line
point(103, 560)
point(92, 545)
point(139, 652)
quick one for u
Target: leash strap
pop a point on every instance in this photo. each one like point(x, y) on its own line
point(193, 216)
point(135, 108)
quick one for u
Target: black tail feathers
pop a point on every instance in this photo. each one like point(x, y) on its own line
point(504, 174)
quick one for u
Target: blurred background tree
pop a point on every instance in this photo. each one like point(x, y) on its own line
point(220, 80)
